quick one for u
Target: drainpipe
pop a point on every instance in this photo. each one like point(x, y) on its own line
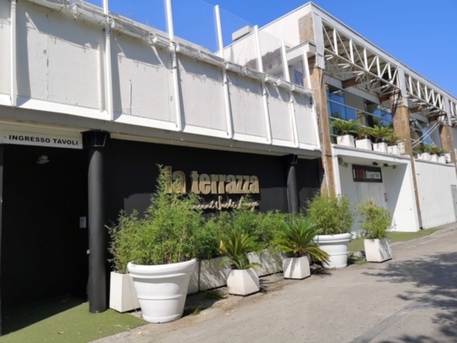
point(13, 53)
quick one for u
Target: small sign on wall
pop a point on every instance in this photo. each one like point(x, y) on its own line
point(366, 174)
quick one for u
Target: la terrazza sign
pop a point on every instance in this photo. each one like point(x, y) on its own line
point(215, 184)
point(366, 174)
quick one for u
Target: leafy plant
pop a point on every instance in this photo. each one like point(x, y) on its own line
point(331, 214)
point(344, 127)
point(168, 232)
point(381, 133)
point(296, 239)
point(435, 150)
point(235, 246)
point(376, 220)
point(363, 131)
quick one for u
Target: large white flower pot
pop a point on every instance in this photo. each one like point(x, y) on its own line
point(347, 140)
point(162, 289)
point(393, 149)
point(380, 147)
point(296, 267)
point(243, 282)
point(364, 143)
point(337, 247)
point(424, 156)
point(377, 250)
point(122, 294)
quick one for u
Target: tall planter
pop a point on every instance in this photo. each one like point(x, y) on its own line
point(337, 248)
point(162, 289)
point(122, 296)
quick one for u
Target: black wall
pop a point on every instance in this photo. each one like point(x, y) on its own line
point(43, 249)
point(131, 169)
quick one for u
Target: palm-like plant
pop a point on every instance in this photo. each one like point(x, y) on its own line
point(381, 133)
point(363, 131)
point(344, 127)
point(235, 246)
point(296, 239)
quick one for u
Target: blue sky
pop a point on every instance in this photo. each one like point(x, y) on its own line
point(422, 34)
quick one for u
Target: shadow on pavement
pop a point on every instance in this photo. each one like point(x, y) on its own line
point(435, 279)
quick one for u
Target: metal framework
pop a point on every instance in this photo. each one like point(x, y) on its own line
point(356, 65)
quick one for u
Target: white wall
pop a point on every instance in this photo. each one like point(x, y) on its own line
point(62, 68)
point(395, 193)
point(434, 182)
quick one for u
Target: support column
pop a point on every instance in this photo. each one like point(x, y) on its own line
point(307, 28)
point(292, 190)
point(320, 98)
point(402, 129)
point(447, 140)
point(94, 142)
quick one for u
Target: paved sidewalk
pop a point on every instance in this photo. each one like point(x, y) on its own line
point(412, 298)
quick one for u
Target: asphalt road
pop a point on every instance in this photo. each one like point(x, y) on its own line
point(412, 298)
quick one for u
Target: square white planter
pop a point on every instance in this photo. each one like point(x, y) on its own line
point(270, 263)
point(380, 147)
point(433, 157)
point(393, 149)
point(209, 274)
point(296, 268)
point(377, 250)
point(347, 140)
point(364, 144)
point(243, 282)
point(425, 156)
point(442, 159)
point(122, 295)
point(447, 156)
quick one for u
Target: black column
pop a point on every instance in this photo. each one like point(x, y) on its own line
point(94, 142)
point(292, 191)
point(1, 227)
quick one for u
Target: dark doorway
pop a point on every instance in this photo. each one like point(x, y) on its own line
point(43, 244)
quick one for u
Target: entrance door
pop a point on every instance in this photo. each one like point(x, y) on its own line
point(43, 248)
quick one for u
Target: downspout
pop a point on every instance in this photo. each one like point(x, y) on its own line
point(108, 63)
point(174, 66)
point(264, 88)
point(13, 55)
point(228, 112)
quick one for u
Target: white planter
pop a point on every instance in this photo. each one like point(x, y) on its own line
point(377, 250)
point(447, 156)
point(270, 263)
point(380, 147)
point(337, 247)
point(162, 289)
point(122, 294)
point(425, 156)
point(296, 268)
point(393, 149)
point(347, 140)
point(442, 159)
point(364, 144)
point(433, 157)
point(208, 275)
point(243, 282)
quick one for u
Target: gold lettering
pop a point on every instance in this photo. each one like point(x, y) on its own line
point(230, 187)
point(179, 182)
point(194, 182)
point(221, 186)
point(214, 180)
point(254, 185)
point(246, 184)
point(239, 184)
point(204, 184)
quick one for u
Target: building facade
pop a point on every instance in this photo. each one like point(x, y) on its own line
point(92, 102)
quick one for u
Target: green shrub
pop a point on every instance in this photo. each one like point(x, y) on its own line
point(331, 214)
point(376, 220)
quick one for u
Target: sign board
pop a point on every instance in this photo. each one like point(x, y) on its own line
point(42, 139)
point(366, 174)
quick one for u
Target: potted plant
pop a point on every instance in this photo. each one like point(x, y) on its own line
point(363, 141)
point(393, 141)
point(380, 135)
point(234, 246)
point(333, 215)
point(435, 153)
point(296, 241)
point(376, 223)
point(424, 152)
point(344, 128)
point(161, 248)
